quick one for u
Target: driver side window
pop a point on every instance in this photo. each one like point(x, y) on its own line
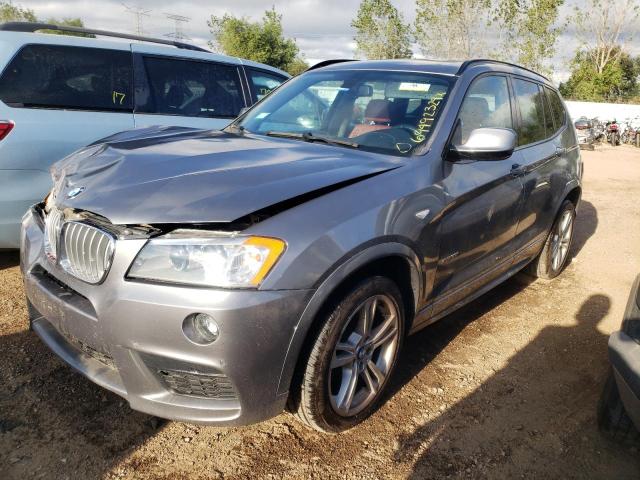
point(487, 104)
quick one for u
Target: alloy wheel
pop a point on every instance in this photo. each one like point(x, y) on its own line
point(561, 240)
point(363, 356)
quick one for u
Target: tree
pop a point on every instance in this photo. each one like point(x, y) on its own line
point(452, 29)
point(381, 31)
point(604, 27)
point(617, 82)
point(263, 42)
point(297, 66)
point(67, 22)
point(16, 13)
point(12, 13)
point(530, 30)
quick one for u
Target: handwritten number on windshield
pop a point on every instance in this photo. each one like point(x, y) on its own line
point(428, 115)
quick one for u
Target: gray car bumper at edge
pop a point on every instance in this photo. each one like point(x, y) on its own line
point(624, 354)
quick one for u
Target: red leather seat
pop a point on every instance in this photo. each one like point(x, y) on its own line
point(377, 116)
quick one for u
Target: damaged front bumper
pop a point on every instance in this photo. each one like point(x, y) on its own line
point(127, 337)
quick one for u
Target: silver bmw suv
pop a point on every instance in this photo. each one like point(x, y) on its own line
point(215, 276)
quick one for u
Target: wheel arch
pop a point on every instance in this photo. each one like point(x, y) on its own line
point(573, 194)
point(397, 261)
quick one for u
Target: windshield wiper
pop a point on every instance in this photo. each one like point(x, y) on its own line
point(272, 133)
point(311, 137)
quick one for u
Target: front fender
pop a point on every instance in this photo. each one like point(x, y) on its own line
point(331, 282)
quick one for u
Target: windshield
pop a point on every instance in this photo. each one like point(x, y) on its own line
point(382, 111)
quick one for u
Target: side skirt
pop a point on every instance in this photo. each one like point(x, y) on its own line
point(422, 319)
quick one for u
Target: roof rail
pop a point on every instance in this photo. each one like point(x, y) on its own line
point(31, 27)
point(467, 63)
point(329, 62)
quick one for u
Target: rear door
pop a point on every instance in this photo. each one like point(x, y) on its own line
point(540, 145)
point(61, 98)
point(188, 92)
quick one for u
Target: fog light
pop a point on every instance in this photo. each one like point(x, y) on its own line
point(201, 328)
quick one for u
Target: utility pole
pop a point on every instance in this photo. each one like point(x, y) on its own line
point(138, 14)
point(179, 20)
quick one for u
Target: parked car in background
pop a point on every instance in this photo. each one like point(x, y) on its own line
point(59, 93)
point(213, 276)
point(585, 133)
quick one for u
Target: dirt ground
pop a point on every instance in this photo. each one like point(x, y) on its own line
point(505, 388)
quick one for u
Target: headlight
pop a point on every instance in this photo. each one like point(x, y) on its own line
point(194, 257)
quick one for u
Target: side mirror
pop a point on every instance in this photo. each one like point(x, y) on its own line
point(485, 144)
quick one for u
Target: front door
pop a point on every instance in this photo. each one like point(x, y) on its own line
point(186, 92)
point(480, 220)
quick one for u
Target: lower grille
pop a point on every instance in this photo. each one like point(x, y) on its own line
point(215, 386)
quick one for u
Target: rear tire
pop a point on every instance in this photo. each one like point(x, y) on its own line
point(348, 369)
point(613, 420)
point(547, 264)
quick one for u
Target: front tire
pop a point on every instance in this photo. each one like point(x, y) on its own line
point(555, 253)
point(352, 357)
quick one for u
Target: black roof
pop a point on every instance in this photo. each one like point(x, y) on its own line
point(443, 67)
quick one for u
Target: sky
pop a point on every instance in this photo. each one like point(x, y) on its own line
point(321, 27)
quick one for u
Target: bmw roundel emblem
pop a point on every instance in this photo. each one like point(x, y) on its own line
point(75, 192)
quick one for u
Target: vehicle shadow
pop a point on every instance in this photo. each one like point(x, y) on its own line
point(420, 349)
point(519, 410)
point(423, 347)
point(585, 226)
point(55, 423)
point(9, 259)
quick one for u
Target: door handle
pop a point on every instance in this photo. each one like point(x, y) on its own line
point(516, 170)
point(560, 151)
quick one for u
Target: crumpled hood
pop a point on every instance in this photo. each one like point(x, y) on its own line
point(179, 175)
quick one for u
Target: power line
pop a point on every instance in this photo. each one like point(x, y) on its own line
point(138, 14)
point(178, 20)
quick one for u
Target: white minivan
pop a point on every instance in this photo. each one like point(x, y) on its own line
point(59, 93)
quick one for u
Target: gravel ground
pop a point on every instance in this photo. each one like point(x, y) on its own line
point(505, 388)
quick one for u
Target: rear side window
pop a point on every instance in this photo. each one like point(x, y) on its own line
point(52, 76)
point(487, 104)
point(262, 83)
point(530, 102)
point(557, 109)
point(548, 116)
point(191, 88)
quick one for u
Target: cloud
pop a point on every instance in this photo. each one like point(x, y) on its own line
point(321, 27)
